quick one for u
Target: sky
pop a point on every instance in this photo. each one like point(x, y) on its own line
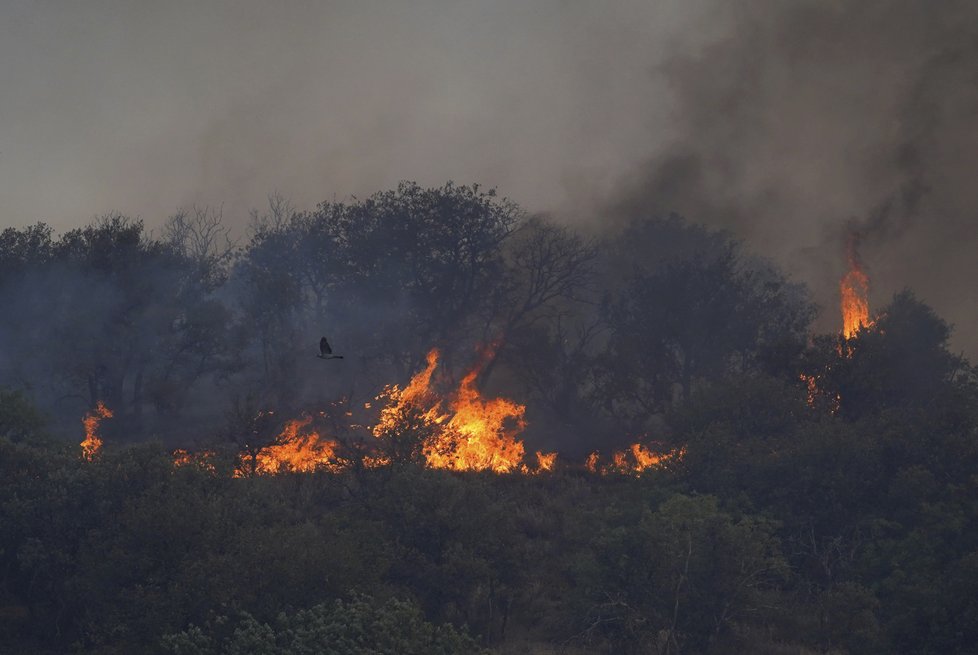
point(791, 123)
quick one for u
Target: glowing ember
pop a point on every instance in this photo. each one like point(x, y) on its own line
point(295, 449)
point(182, 457)
point(202, 460)
point(854, 291)
point(375, 461)
point(811, 388)
point(92, 443)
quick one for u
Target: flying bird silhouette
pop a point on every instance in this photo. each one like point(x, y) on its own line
point(325, 352)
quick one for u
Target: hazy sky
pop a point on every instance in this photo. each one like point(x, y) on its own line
point(141, 107)
point(784, 121)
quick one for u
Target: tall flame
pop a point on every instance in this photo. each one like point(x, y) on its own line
point(416, 394)
point(854, 292)
point(481, 434)
point(92, 444)
point(474, 433)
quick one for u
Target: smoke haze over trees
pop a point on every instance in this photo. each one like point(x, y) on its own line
point(782, 122)
point(599, 337)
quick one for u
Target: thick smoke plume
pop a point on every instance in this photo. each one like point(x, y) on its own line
point(786, 122)
point(807, 122)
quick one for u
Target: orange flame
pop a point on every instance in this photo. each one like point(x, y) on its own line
point(854, 292)
point(417, 394)
point(295, 449)
point(92, 444)
point(474, 434)
point(461, 431)
point(638, 459)
point(376, 461)
point(546, 461)
point(481, 433)
point(200, 459)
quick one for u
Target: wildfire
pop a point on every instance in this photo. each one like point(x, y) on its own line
point(635, 460)
point(481, 433)
point(546, 461)
point(639, 458)
point(459, 431)
point(92, 444)
point(854, 291)
point(476, 434)
point(472, 434)
point(202, 459)
point(416, 394)
point(295, 449)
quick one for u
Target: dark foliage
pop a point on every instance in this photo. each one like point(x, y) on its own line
point(827, 500)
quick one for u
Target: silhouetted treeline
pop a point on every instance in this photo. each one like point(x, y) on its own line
point(171, 330)
point(826, 503)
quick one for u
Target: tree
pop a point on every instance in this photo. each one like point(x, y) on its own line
point(683, 321)
point(689, 577)
point(199, 233)
point(107, 313)
point(901, 363)
point(390, 276)
point(548, 280)
point(19, 419)
point(360, 625)
point(23, 249)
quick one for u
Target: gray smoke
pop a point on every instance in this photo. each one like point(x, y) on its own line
point(144, 108)
point(806, 122)
point(786, 122)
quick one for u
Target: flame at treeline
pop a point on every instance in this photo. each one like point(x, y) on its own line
point(460, 430)
point(854, 297)
point(635, 459)
point(854, 292)
point(92, 443)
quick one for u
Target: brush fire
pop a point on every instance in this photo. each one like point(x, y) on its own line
point(461, 430)
point(298, 448)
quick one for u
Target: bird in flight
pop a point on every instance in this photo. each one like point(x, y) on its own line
point(325, 352)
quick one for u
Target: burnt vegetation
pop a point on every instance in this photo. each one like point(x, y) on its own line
point(825, 500)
